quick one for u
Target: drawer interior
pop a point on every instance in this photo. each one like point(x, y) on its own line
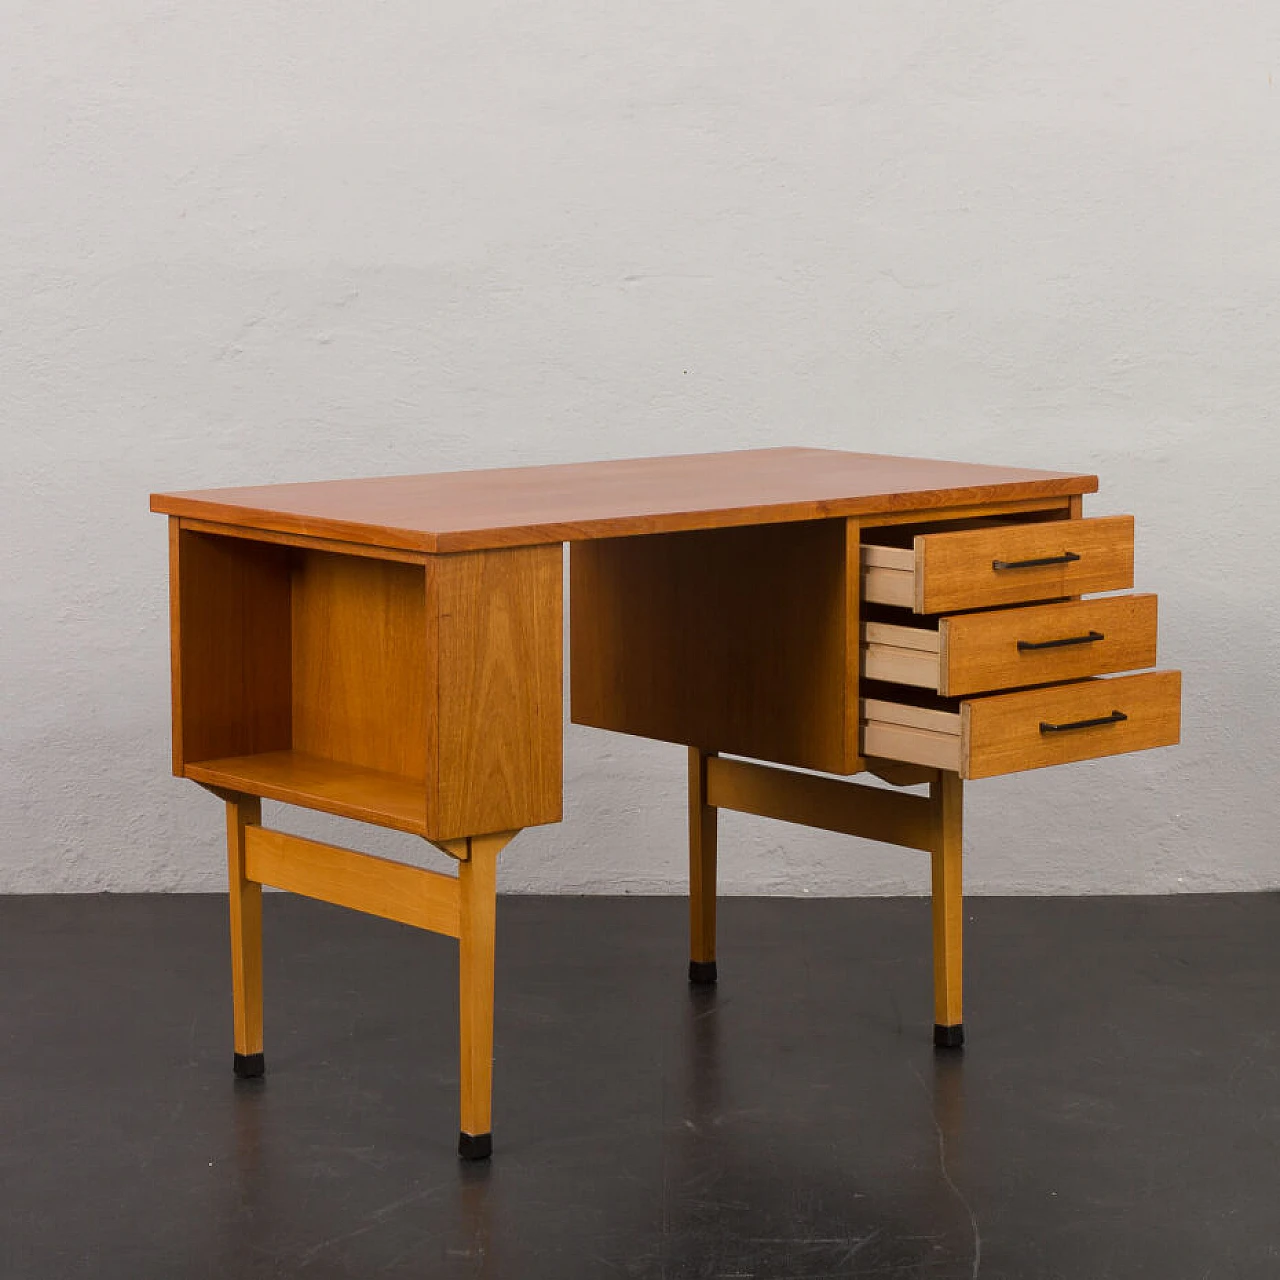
point(911, 725)
point(901, 654)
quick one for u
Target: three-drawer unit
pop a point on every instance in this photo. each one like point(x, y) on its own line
point(980, 656)
point(975, 643)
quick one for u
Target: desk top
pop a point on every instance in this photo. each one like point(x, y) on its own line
point(522, 506)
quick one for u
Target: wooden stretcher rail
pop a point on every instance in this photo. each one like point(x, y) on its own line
point(376, 886)
point(851, 808)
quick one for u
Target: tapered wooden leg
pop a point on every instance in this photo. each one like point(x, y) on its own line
point(946, 795)
point(477, 884)
point(702, 873)
point(246, 941)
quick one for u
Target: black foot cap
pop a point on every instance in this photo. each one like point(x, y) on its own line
point(702, 973)
point(475, 1146)
point(249, 1066)
point(948, 1037)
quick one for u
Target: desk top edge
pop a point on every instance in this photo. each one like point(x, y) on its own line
point(476, 510)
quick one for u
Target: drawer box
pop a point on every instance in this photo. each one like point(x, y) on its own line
point(1012, 732)
point(1013, 648)
point(1001, 564)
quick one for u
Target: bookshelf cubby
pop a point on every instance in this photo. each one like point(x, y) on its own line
point(338, 681)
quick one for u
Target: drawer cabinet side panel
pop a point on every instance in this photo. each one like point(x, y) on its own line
point(495, 624)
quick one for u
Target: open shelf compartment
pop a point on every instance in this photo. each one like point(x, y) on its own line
point(302, 675)
point(420, 692)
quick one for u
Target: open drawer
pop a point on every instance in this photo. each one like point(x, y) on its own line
point(1012, 648)
point(1029, 729)
point(1001, 564)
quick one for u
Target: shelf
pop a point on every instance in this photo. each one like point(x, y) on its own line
point(386, 799)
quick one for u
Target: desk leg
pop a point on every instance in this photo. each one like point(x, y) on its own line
point(477, 885)
point(702, 873)
point(946, 795)
point(246, 940)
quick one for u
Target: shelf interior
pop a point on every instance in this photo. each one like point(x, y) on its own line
point(348, 790)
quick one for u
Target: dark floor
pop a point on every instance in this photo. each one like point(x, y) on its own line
point(1117, 1112)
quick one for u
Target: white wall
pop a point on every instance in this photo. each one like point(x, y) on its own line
point(245, 243)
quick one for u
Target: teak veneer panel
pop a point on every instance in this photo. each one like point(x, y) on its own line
point(497, 728)
point(360, 672)
point(471, 510)
point(955, 570)
point(229, 637)
point(1002, 733)
point(377, 886)
point(980, 650)
point(299, 540)
point(733, 640)
point(831, 804)
point(384, 799)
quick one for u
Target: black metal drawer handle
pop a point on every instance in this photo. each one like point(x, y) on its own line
point(1092, 638)
point(1067, 557)
point(1114, 718)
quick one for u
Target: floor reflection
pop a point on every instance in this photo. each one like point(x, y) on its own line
point(762, 1190)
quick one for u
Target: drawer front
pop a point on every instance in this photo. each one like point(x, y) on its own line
point(1031, 729)
point(1012, 732)
point(1009, 564)
point(1045, 644)
point(1014, 648)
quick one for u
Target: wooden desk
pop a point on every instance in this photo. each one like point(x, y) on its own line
point(390, 650)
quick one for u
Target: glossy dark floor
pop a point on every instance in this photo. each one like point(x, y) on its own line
point(1117, 1111)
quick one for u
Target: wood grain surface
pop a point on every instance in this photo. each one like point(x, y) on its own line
point(471, 510)
point(385, 799)
point(832, 804)
point(229, 636)
point(980, 650)
point(497, 727)
point(734, 640)
point(244, 813)
point(946, 800)
point(1002, 733)
point(956, 570)
point(360, 674)
point(358, 881)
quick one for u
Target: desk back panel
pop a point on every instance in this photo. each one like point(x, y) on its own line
point(360, 662)
point(734, 640)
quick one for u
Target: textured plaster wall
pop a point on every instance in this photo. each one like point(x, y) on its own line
point(245, 242)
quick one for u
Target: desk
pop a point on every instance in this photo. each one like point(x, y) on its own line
point(391, 650)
